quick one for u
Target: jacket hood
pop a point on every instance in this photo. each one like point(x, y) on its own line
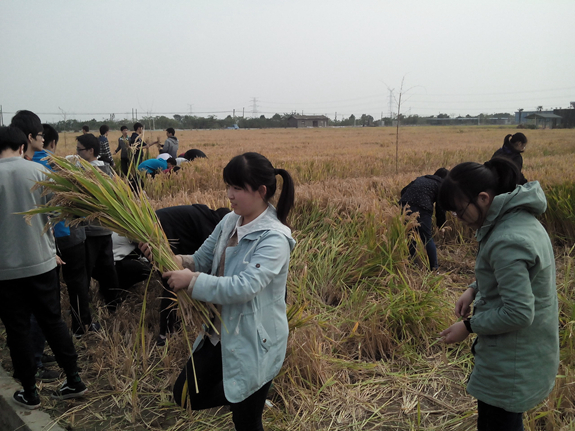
point(529, 197)
point(97, 163)
point(173, 138)
point(269, 221)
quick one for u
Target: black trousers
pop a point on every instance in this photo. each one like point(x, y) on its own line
point(74, 273)
point(100, 266)
point(40, 295)
point(247, 414)
point(131, 271)
point(492, 418)
point(125, 164)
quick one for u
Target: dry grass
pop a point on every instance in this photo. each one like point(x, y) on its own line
point(363, 351)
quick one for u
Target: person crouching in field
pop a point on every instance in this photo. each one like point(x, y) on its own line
point(515, 313)
point(29, 280)
point(248, 256)
point(420, 195)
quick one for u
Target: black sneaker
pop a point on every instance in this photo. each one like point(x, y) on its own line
point(28, 401)
point(47, 376)
point(67, 391)
point(161, 341)
point(48, 359)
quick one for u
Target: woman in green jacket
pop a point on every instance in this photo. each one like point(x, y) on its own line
point(515, 313)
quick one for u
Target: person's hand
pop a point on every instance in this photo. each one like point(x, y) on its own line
point(59, 261)
point(463, 304)
point(179, 260)
point(146, 250)
point(455, 333)
point(178, 280)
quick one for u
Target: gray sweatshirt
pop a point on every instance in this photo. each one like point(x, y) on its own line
point(24, 250)
point(170, 147)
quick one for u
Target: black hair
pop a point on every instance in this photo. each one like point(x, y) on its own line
point(50, 134)
point(137, 126)
point(103, 129)
point(85, 128)
point(90, 141)
point(12, 137)
point(28, 122)
point(172, 161)
point(441, 172)
point(465, 181)
point(123, 128)
point(192, 154)
point(254, 170)
point(171, 131)
point(511, 139)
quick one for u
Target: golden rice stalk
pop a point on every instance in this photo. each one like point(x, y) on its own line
point(81, 192)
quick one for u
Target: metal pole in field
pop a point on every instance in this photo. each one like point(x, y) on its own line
point(1, 116)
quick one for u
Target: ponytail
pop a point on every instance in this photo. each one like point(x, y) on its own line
point(511, 139)
point(287, 195)
point(466, 180)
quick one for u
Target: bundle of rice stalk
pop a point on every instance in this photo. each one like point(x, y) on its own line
point(81, 192)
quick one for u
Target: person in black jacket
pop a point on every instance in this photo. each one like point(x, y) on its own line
point(186, 227)
point(513, 146)
point(420, 195)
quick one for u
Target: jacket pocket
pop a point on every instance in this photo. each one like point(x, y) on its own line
point(263, 339)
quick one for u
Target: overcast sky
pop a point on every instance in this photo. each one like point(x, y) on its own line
point(317, 57)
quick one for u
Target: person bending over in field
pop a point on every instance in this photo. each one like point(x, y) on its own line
point(515, 313)
point(248, 257)
point(419, 196)
point(29, 281)
point(513, 147)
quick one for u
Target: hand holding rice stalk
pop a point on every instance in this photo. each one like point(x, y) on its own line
point(81, 192)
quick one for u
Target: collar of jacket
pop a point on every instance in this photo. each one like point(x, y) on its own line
point(528, 197)
point(269, 221)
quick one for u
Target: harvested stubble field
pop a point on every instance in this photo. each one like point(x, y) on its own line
point(363, 351)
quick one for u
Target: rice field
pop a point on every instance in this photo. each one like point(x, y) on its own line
point(363, 351)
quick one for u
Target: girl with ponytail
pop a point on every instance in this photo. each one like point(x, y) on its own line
point(242, 269)
point(513, 146)
point(515, 312)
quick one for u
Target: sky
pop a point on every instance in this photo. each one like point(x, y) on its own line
point(88, 59)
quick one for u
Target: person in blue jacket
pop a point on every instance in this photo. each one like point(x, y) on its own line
point(241, 268)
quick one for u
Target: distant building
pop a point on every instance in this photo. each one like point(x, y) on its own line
point(521, 116)
point(547, 120)
point(308, 121)
point(567, 116)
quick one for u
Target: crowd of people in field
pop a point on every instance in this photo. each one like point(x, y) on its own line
point(238, 261)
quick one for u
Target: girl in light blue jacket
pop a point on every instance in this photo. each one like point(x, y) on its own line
point(242, 268)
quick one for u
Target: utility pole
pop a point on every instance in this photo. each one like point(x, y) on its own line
point(391, 104)
point(64, 115)
point(243, 112)
point(1, 116)
point(190, 106)
point(254, 106)
point(336, 116)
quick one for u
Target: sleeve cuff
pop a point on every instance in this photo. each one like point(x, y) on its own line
point(192, 283)
point(467, 324)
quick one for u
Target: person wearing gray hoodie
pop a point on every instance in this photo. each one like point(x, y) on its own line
point(171, 144)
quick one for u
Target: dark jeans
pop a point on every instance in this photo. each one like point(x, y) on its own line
point(100, 266)
point(492, 418)
point(37, 341)
point(168, 309)
point(39, 295)
point(131, 271)
point(74, 273)
point(125, 164)
point(424, 231)
point(247, 414)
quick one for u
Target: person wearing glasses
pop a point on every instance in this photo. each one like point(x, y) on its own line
point(99, 246)
point(515, 308)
